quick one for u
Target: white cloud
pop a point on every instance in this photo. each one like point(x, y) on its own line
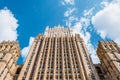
point(107, 21)
point(69, 12)
point(95, 59)
point(62, 2)
point(25, 50)
point(68, 2)
point(70, 20)
point(80, 25)
point(8, 29)
point(8, 25)
point(78, 28)
point(88, 12)
point(104, 4)
point(85, 22)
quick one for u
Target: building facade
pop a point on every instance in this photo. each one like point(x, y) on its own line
point(9, 53)
point(99, 71)
point(58, 55)
point(109, 55)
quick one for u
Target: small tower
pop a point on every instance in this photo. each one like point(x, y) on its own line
point(9, 53)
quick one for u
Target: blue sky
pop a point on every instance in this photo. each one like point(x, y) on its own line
point(93, 19)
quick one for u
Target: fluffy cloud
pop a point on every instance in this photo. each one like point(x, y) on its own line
point(78, 28)
point(107, 20)
point(68, 2)
point(88, 12)
point(81, 26)
point(25, 50)
point(70, 20)
point(8, 29)
point(8, 25)
point(69, 12)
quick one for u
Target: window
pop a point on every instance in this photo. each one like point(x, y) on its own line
point(110, 46)
point(119, 63)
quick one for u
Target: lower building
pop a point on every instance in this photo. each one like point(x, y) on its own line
point(109, 55)
point(100, 71)
point(9, 53)
point(17, 72)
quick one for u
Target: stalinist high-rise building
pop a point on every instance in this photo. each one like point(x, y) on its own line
point(58, 55)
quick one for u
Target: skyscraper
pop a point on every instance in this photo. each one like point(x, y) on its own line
point(58, 55)
point(9, 53)
point(109, 55)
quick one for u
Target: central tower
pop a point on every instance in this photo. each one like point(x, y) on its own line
point(58, 55)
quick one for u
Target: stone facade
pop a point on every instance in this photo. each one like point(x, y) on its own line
point(58, 55)
point(109, 55)
point(9, 53)
point(99, 71)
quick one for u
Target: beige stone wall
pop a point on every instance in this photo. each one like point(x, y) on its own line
point(109, 55)
point(58, 55)
point(100, 71)
point(9, 52)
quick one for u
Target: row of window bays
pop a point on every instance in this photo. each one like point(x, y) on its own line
point(61, 45)
point(60, 55)
point(66, 52)
point(59, 42)
point(110, 62)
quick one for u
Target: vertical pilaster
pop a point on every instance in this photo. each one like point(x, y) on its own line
point(47, 59)
point(83, 77)
point(55, 53)
point(70, 58)
point(63, 63)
